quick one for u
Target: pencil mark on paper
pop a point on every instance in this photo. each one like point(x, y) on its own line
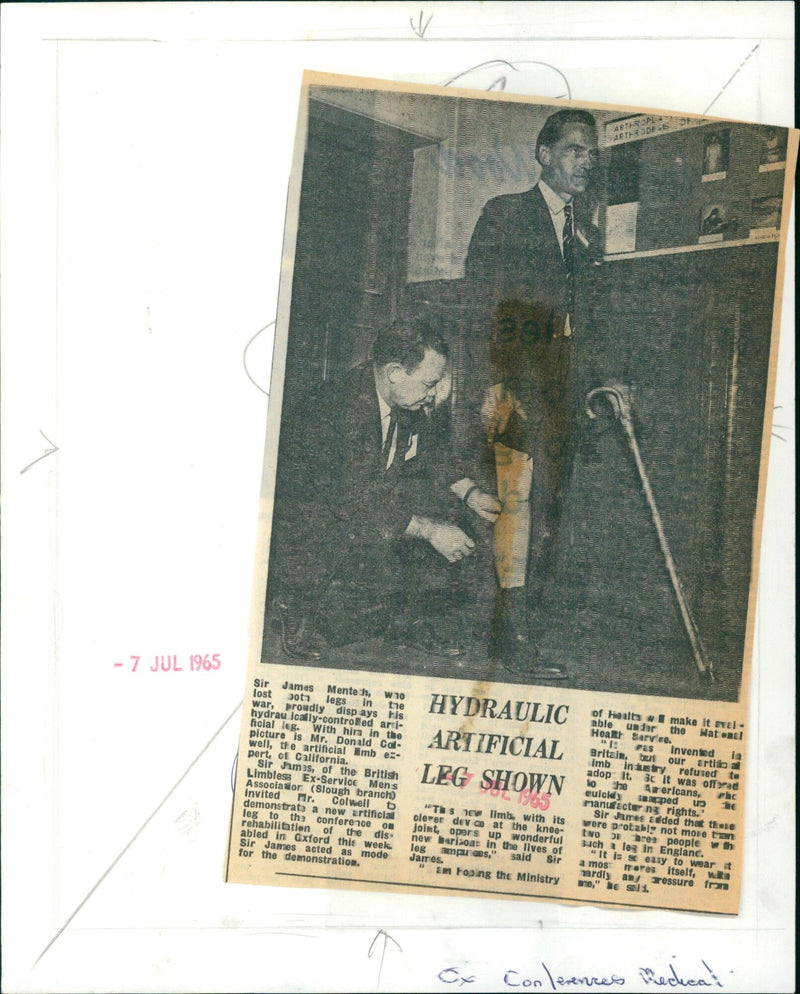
point(383, 938)
point(188, 819)
point(739, 68)
point(774, 433)
point(475, 76)
point(244, 358)
point(420, 28)
point(47, 452)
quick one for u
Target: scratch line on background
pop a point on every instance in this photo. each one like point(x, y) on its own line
point(143, 826)
point(47, 452)
point(741, 66)
point(512, 66)
point(244, 358)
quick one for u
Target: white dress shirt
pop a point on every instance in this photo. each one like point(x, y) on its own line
point(556, 205)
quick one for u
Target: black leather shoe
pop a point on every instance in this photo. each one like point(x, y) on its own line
point(521, 656)
point(512, 644)
point(422, 634)
point(299, 640)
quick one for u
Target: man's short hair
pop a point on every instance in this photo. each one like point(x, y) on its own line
point(555, 125)
point(406, 341)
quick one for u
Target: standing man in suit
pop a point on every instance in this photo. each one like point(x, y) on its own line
point(528, 272)
point(368, 516)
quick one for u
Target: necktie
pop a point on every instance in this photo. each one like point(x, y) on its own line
point(402, 419)
point(387, 442)
point(568, 248)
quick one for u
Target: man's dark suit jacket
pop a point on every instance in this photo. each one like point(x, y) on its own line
point(514, 255)
point(336, 505)
point(518, 295)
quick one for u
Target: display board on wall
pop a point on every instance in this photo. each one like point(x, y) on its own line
point(730, 180)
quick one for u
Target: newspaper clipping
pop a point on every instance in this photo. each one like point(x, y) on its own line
point(505, 581)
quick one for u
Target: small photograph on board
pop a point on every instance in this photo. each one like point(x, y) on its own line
point(715, 223)
point(716, 146)
point(772, 154)
point(765, 217)
point(621, 228)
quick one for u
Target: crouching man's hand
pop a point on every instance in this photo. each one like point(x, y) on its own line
point(485, 505)
point(448, 540)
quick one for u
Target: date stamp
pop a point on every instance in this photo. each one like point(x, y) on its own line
point(526, 789)
point(193, 663)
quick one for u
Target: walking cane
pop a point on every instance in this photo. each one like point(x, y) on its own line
point(620, 405)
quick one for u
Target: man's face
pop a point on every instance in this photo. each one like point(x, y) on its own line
point(418, 388)
point(568, 163)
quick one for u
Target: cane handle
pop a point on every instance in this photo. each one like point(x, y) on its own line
point(617, 397)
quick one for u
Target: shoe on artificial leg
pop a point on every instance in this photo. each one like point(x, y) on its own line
point(299, 640)
point(426, 636)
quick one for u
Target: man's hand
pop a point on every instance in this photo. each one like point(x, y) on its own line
point(486, 505)
point(498, 406)
point(450, 542)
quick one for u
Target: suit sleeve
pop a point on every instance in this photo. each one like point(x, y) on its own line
point(483, 265)
point(344, 485)
point(482, 289)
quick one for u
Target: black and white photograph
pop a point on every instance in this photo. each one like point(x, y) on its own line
point(765, 214)
point(716, 223)
point(504, 456)
point(716, 145)
point(772, 153)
